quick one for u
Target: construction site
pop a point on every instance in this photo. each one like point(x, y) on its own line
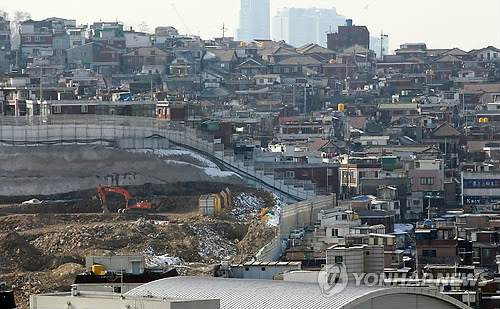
point(53, 199)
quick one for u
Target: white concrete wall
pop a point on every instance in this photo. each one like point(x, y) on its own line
point(58, 301)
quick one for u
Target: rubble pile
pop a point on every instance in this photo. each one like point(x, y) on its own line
point(41, 250)
point(258, 236)
point(16, 252)
point(246, 206)
point(99, 235)
point(212, 245)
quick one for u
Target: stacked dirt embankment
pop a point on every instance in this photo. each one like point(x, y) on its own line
point(42, 246)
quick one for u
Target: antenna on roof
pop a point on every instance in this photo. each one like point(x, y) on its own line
point(224, 30)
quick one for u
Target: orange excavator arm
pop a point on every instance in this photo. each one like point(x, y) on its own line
point(130, 202)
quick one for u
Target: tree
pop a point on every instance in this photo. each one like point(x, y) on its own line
point(19, 17)
point(143, 27)
point(4, 14)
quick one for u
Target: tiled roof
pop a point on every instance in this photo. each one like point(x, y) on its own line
point(313, 48)
point(449, 58)
point(224, 55)
point(146, 52)
point(317, 145)
point(299, 60)
point(395, 106)
point(488, 88)
point(358, 122)
point(445, 130)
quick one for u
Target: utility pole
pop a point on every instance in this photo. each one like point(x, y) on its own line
point(151, 88)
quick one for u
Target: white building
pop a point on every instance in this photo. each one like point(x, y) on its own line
point(299, 26)
point(254, 20)
point(135, 39)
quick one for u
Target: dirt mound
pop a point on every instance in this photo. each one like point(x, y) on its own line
point(18, 253)
point(65, 274)
point(257, 237)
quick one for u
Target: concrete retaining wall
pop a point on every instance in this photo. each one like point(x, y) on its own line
point(305, 213)
point(60, 169)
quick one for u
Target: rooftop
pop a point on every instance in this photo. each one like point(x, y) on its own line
point(244, 293)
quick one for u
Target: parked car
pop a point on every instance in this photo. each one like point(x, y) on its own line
point(297, 234)
point(310, 229)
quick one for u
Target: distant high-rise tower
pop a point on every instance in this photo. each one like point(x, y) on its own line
point(254, 20)
point(299, 26)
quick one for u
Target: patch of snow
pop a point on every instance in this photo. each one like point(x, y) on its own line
point(159, 261)
point(212, 245)
point(209, 167)
point(273, 215)
point(246, 205)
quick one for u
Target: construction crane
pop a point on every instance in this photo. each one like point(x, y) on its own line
point(179, 16)
point(130, 202)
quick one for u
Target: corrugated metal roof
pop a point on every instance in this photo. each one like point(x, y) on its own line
point(251, 294)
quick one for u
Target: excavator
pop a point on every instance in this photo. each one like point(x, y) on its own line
point(130, 202)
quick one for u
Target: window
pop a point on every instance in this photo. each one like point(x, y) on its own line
point(85, 108)
point(475, 252)
point(28, 39)
point(58, 52)
point(263, 269)
point(57, 109)
point(335, 232)
point(339, 259)
point(426, 180)
point(37, 39)
point(290, 174)
point(486, 252)
point(429, 253)
point(247, 268)
point(305, 173)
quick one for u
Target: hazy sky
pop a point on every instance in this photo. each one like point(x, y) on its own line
point(439, 23)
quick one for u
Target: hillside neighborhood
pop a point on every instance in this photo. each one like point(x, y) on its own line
point(383, 163)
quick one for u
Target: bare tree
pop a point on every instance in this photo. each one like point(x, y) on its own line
point(4, 14)
point(143, 27)
point(19, 17)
